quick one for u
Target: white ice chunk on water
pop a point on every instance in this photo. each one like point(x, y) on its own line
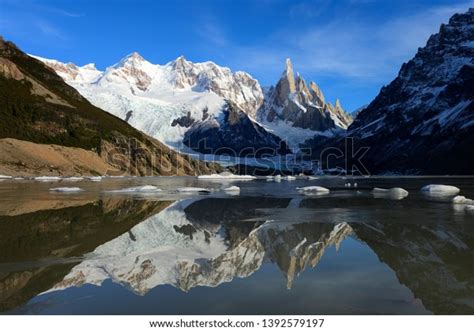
point(66, 189)
point(436, 190)
point(289, 178)
point(232, 188)
point(193, 190)
point(395, 193)
point(226, 176)
point(95, 178)
point(138, 189)
point(47, 178)
point(462, 200)
point(318, 190)
point(5, 177)
point(277, 178)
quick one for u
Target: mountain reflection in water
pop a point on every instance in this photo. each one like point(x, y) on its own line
point(206, 242)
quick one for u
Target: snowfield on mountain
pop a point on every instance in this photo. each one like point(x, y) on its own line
point(182, 102)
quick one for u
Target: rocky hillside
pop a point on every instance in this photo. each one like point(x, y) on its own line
point(37, 106)
point(423, 121)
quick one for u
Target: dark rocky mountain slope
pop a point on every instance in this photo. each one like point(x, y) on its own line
point(423, 121)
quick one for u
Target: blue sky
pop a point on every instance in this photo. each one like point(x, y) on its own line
point(351, 48)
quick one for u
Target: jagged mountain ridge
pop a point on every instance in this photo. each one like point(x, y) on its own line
point(168, 101)
point(304, 106)
point(423, 121)
point(38, 107)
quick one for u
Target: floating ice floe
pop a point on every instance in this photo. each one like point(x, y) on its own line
point(94, 178)
point(277, 178)
point(138, 189)
point(193, 190)
point(66, 189)
point(47, 178)
point(316, 190)
point(440, 190)
point(395, 193)
point(232, 190)
point(462, 200)
point(289, 178)
point(5, 177)
point(312, 177)
point(226, 176)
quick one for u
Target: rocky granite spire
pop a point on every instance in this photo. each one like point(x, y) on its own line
point(286, 85)
point(305, 107)
point(317, 93)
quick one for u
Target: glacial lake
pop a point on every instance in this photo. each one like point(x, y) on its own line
point(268, 250)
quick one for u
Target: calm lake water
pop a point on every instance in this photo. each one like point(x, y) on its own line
point(267, 250)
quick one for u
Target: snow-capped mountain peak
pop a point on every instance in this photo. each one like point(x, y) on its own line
point(131, 60)
point(296, 104)
point(89, 66)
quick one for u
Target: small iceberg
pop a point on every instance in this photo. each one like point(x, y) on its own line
point(47, 178)
point(277, 178)
point(289, 178)
point(5, 177)
point(193, 190)
point(232, 190)
point(395, 193)
point(313, 190)
point(66, 189)
point(462, 200)
point(94, 178)
point(226, 176)
point(440, 190)
point(138, 189)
